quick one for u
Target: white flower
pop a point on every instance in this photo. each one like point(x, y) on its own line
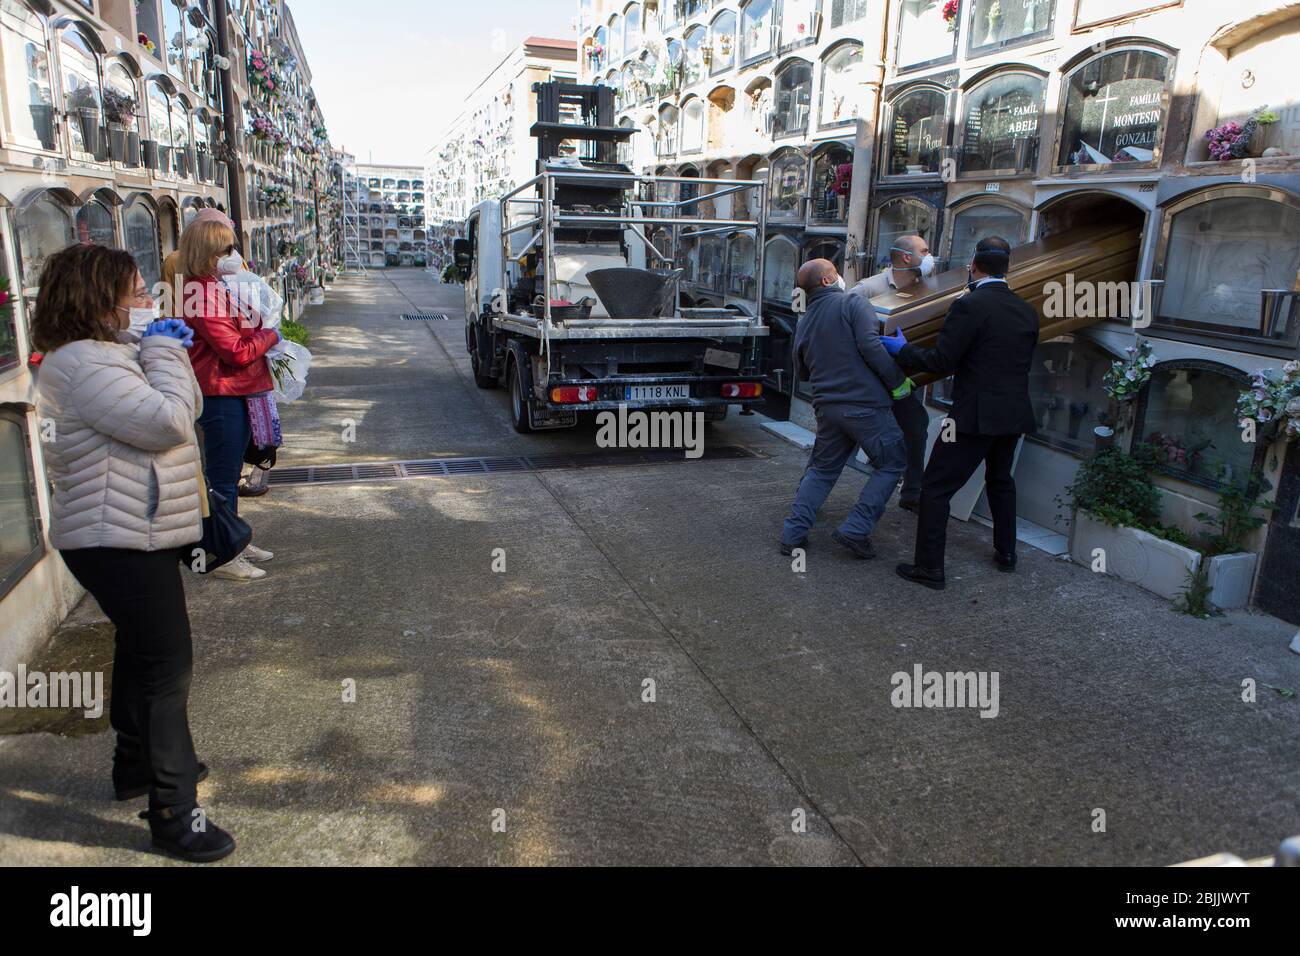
point(1131, 375)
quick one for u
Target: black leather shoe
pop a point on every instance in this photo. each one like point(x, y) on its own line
point(1005, 562)
point(788, 549)
point(912, 505)
point(173, 830)
point(930, 578)
point(130, 791)
point(861, 547)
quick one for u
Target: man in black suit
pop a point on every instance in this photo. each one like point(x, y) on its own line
point(987, 343)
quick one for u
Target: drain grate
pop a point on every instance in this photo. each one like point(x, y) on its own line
point(495, 465)
point(426, 317)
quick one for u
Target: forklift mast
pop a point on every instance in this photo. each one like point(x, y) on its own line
point(594, 108)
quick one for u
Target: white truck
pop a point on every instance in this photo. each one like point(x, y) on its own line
point(570, 305)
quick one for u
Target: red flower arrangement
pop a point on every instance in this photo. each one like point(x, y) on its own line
point(950, 13)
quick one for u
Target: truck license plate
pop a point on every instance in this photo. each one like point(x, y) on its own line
point(652, 392)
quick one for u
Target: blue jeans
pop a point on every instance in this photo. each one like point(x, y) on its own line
point(225, 436)
point(841, 429)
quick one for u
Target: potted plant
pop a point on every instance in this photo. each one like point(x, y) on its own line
point(123, 141)
point(204, 164)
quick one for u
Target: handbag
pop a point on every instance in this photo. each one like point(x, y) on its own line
point(225, 534)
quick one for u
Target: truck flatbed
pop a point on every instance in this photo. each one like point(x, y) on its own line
point(658, 328)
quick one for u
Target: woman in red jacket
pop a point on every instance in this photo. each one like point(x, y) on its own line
point(229, 359)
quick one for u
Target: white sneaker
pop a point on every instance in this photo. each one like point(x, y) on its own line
point(239, 570)
point(254, 553)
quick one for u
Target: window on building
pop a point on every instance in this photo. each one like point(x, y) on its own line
point(1189, 414)
point(95, 224)
point(722, 42)
point(789, 185)
point(599, 52)
point(625, 147)
point(189, 212)
point(20, 537)
point(796, 23)
point(693, 67)
point(615, 34)
point(81, 94)
point(8, 322)
point(1000, 113)
point(918, 129)
point(141, 229)
point(1002, 23)
point(28, 83)
point(160, 126)
point(846, 11)
point(832, 180)
point(793, 98)
point(146, 21)
point(740, 265)
point(840, 96)
point(693, 125)
point(121, 98)
point(631, 29)
point(779, 267)
point(174, 28)
point(924, 36)
point(712, 258)
point(1067, 392)
point(647, 85)
point(830, 248)
point(1224, 249)
point(1114, 110)
point(44, 228)
point(975, 221)
point(667, 143)
point(902, 216)
point(182, 145)
point(756, 20)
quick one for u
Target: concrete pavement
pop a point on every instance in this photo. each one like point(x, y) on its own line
point(518, 698)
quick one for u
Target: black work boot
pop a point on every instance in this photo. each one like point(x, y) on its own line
point(929, 577)
point(182, 832)
point(788, 549)
point(1006, 561)
point(861, 547)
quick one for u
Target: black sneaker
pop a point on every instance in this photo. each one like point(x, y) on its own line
point(861, 547)
point(931, 579)
point(175, 830)
point(911, 504)
point(1005, 562)
point(136, 788)
point(788, 549)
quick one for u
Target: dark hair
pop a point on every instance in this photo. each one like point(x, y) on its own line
point(80, 288)
point(992, 256)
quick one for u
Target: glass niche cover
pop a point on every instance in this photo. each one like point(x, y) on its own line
point(918, 133)
point(1114, 109)
point(1000, 113)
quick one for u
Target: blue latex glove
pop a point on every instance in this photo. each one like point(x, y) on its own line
point(173, 329)
point(894, 343)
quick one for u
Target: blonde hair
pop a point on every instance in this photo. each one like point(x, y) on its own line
point(202, 242)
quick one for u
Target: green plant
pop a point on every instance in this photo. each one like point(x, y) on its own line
point(1195, 599)
point(294, 331)
point(1116, 488)
point(1237, 518)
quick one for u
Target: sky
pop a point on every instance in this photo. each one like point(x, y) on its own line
point(391, 75)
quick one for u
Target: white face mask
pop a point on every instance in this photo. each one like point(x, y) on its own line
point(927, 265)
point(140, 319)
point(229, 265)
point(839, 283)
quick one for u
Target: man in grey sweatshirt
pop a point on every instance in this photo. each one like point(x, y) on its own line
point(854, 385)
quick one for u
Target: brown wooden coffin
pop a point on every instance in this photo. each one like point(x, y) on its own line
point(1093, 253)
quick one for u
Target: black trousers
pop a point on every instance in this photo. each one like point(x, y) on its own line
point(951, 465)
point(142, 594)
point(914, 421)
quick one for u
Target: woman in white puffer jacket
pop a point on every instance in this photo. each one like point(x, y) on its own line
point(118, 410)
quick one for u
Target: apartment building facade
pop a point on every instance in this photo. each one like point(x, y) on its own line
point(1020, 118)
point(121, 120)
point(487, 150)
point(385, 212)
